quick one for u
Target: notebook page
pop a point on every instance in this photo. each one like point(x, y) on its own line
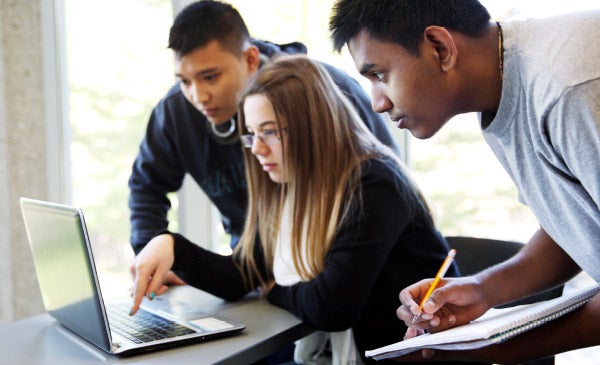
point(494, 326)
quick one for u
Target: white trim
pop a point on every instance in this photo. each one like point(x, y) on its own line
point(56, 101)
point(194, 214)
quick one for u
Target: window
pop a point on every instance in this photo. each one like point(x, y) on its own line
point(118, 69)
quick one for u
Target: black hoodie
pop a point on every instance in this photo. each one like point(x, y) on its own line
point(179, 141)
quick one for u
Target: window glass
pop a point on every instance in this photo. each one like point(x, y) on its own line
point(118, 68)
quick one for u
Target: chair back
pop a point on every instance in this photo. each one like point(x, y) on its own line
point(476, 254)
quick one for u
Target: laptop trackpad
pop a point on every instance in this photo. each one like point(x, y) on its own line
point(178, 309)
point(189, 313)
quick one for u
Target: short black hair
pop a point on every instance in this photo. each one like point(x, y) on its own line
point(201, 22)
point(404, 21)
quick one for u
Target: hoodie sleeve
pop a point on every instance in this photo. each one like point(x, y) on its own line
point(155, 172)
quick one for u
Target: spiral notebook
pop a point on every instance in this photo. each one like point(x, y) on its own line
point(495, 326)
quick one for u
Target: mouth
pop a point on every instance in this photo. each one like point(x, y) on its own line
point(269, 166)
point(210, 113)
point(399, 121)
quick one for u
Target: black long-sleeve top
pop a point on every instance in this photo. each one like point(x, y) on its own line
point(386, 244)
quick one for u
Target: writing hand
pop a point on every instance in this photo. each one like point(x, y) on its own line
point(150, 268)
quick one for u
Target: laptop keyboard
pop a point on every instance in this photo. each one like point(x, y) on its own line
point(143, 326)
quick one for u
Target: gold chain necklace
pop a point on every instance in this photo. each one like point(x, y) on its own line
point(500, 54)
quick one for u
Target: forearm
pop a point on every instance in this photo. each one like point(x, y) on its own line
point(144, 227)
point(540, 265)
point(155, 172)
point(208, 271)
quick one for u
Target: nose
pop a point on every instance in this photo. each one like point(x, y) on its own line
point(380, 103)
point(198, 94)
point(258, 147)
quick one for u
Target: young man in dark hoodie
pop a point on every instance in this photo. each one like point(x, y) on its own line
point(192, 130)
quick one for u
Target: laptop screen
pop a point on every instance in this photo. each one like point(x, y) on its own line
point(67, 278)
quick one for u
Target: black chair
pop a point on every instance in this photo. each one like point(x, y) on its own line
point(475, 254)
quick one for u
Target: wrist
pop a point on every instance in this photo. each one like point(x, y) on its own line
point(490, 288)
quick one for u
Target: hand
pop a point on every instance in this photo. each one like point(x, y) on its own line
point(150, 269)
point(456, 301)
point(171, 279)
point(266, 289)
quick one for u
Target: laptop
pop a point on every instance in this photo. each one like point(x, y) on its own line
point(71, 293)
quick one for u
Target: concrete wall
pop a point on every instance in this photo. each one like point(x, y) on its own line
point(23, 150)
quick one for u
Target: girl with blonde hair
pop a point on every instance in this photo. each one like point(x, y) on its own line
point(335, 227)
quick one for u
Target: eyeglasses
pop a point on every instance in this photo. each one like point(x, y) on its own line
point(270, 137)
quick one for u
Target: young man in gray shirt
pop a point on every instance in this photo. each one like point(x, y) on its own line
point(536, 84)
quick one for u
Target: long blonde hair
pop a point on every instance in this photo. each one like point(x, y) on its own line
point(322, 155)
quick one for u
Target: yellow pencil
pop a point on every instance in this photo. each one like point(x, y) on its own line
point(440, 274)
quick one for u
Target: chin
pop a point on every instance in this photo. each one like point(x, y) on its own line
point(421, 134)
point(424, 133)
point(218, 119)
point(276, 178)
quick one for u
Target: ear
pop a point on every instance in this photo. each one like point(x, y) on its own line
point(442, 43)
point(251, 56)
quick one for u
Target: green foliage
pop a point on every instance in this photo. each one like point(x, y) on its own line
point(118, 68)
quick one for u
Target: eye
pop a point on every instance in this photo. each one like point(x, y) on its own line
point(185, 82)
point(377, 75)
point(269, 132)
point(211, 77)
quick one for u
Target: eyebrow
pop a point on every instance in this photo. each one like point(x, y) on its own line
point(366, 67)
point(263, 124)
point(200, 73)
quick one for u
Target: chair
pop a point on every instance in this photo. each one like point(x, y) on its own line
point(476, 254)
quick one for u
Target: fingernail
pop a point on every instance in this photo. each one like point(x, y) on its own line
point(131, 312)
point(452, 319)
point(152, 295)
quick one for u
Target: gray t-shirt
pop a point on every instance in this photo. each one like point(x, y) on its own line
point(546, 132)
